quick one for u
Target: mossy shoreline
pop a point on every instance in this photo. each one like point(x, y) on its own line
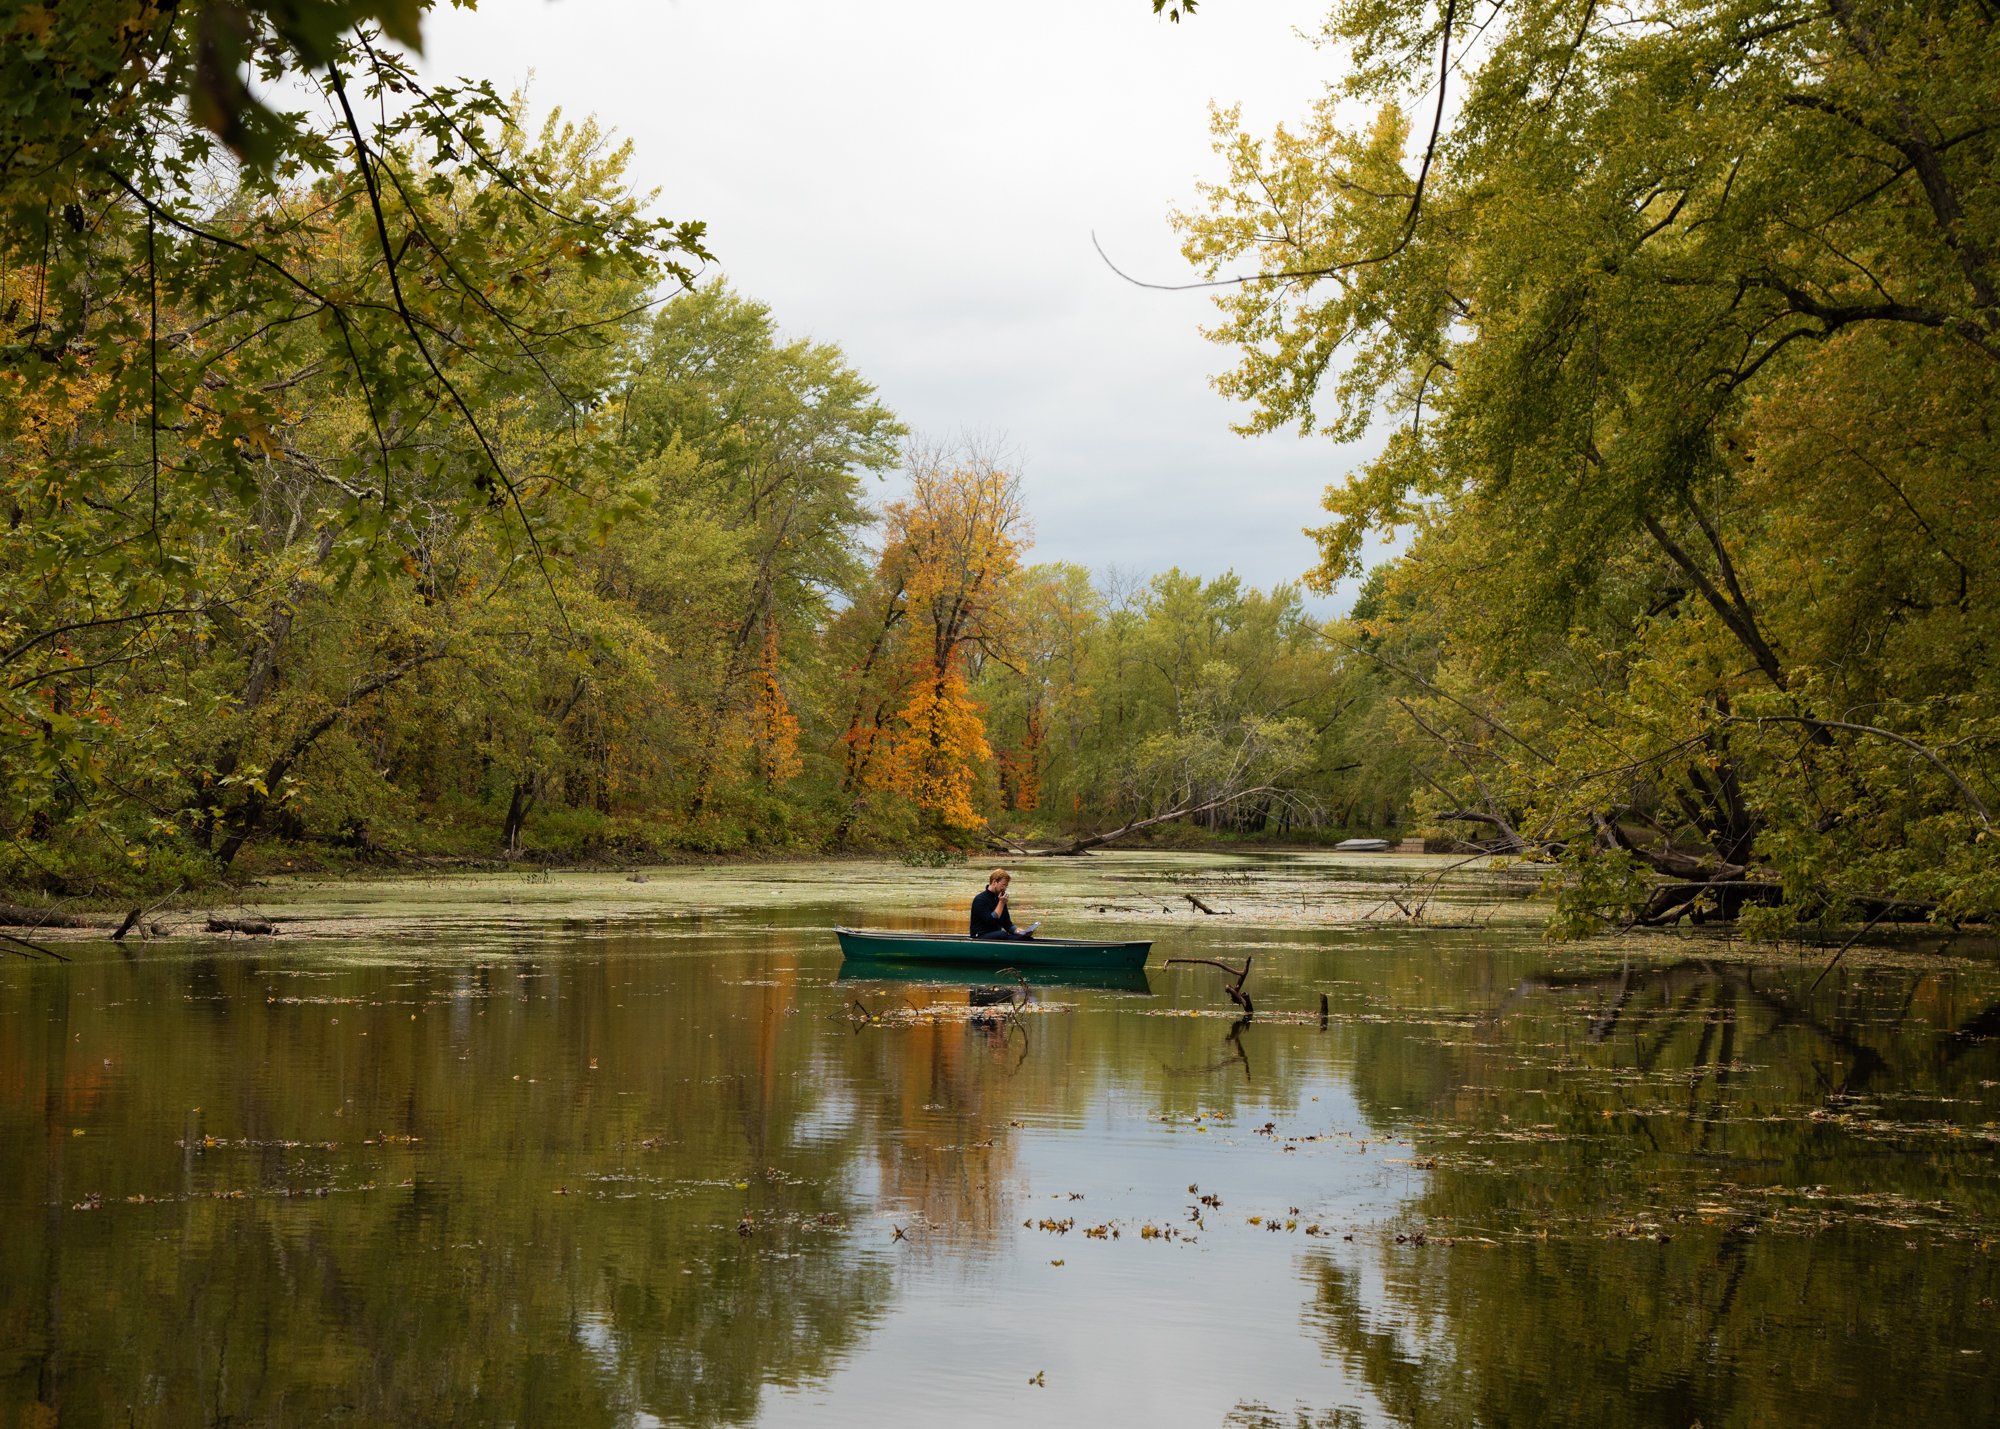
point(446, 849)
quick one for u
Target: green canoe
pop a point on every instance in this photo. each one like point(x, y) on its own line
point(929, 974)
point(877, 946)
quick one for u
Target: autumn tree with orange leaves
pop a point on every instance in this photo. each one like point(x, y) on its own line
point(936, 610)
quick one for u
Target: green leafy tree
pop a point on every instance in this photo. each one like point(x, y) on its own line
point(240, 393)
point(1685, 320)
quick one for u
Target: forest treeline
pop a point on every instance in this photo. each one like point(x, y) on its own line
point(384, 480)
point(726, 645)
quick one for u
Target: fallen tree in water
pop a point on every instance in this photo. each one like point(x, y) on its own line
point(18, 915)
point(1186, 811)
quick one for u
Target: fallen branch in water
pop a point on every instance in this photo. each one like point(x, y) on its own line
point(1235, 990)
point(1091, 841)
point(1212, 912)
point(1409, 886)
point(241, 925)
point(37, 947)
point(140, 915)
point(1865, 930)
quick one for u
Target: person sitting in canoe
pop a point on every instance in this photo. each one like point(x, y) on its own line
point(990, 918)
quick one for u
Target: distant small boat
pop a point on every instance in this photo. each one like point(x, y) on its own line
point(1077, 954)
point(1363, 846)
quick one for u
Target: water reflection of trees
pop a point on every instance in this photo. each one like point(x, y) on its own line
point(1714, 1327)
point(445, 1273)
point(1646, 1145)
point(527, 1258)
point(939, 1098)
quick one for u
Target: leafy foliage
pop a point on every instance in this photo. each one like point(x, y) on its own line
point(1686, 316)
point(380, 478)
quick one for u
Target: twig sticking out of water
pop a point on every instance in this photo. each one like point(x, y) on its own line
point(1234, 1037)
point(1430, 891)
point(1865, 928)
point(1235, 990)
point(147, 928)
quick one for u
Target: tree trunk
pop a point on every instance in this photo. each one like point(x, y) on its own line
point(517, 817)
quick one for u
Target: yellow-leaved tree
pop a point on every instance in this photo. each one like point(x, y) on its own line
point(777, 728)
point(937, 609)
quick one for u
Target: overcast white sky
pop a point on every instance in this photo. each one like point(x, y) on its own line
point(918, 180)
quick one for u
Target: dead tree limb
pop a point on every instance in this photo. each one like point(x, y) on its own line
point(1842, 950)
point(1511, 840)
point(36, 947)
point(1235, 990)
point(1091, 841)
point(1514, 841)
point(1212, 912)
point(153, 929)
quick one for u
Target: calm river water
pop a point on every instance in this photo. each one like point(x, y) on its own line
point(587, 1151)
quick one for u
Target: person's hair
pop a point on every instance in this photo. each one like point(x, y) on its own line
point(998, 873)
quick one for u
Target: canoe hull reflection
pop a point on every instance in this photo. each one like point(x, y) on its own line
point(1075, 954)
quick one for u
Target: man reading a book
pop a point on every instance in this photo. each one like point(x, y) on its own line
point(990, 918)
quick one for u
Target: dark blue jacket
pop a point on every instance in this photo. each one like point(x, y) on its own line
point(984, 920)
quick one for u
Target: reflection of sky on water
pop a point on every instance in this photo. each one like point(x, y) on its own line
point(1131, 1330)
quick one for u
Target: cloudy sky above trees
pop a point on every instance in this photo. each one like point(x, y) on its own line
point(919, 181)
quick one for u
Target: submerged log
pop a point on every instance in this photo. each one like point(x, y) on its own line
point(17, 915)
point(241, 925)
